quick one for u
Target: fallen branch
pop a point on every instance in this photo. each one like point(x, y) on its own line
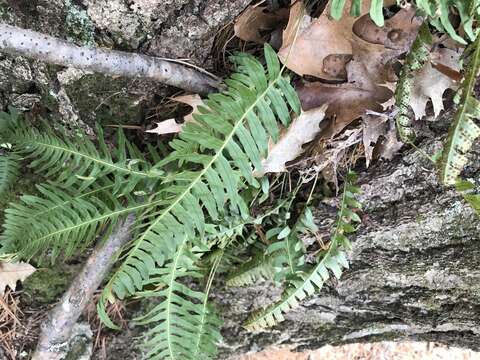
point(56, 330)
point(35, 45)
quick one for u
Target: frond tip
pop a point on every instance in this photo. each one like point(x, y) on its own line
point(463, 130)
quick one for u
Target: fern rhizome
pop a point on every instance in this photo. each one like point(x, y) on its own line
point(192, 209)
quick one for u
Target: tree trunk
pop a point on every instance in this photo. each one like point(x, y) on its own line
point(414, 270)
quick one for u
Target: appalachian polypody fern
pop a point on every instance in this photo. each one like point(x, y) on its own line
point(310, 278)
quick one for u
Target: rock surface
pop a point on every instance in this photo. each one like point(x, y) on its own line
point(168, 28)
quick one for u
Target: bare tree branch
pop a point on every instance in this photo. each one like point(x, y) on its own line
point(56, 331)
point(17, 41)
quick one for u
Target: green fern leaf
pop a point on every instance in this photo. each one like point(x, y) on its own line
point(57, 158)
point(257, 269)
point(9, 169)
point(184, 325)
point(310, 280)
point(53, 212)
point(463, 130)
point(414, 62)
point(226, 153)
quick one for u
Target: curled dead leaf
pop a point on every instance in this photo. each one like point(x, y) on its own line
point(10, 273)
point(323, 46)
point(256, 20)
point(303, 129)
point(170, 126)
point(346, 102)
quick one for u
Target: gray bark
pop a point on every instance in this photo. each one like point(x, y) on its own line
point(40, 46)
point(414, 270)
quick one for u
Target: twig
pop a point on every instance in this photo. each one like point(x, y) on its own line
point(18, 41)
point(56, 330)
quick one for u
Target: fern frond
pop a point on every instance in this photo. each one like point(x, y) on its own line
point(257, 269)
point(77, 162)
point(227, 147)
point(9, 169)
point(57, 222)
point(184, 324)
point(465, 188)
point(53, 212)
point(313, 279)
point(416, 58)
point(463, 130)
point(376, 10)
point(438, 12)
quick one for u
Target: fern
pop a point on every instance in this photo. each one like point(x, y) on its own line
point(376, 10)
point(185, 325)
point(226, 148)
point(56, 210)
point(416, 58)
point(437, 11)
point(465, 188)
point(463, 130)
point(56, 157)
point(257, 269)
point(313, 278)
point(9, 169)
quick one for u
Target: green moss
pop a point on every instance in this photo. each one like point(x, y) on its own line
point(104, 100)
point(80, 28)
point(46, 285)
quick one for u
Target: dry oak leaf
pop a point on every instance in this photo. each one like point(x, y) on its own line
point(170, 126)
point(378, 50)
point(303, 129)
point(431, 82)
point(10, 273)
point(255, 20)
point(323, 45)
point(346, 102)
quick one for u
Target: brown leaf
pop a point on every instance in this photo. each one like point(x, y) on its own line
point(430, 83)
point(302, 130)
point(373, 128)
point(255, 20)
point(345, 101)
point(170, 126)
point(10, 273)
point(323, 45)
point(398, 33)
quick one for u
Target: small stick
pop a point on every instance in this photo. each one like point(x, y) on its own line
point(35, 45)
point(56, 330)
